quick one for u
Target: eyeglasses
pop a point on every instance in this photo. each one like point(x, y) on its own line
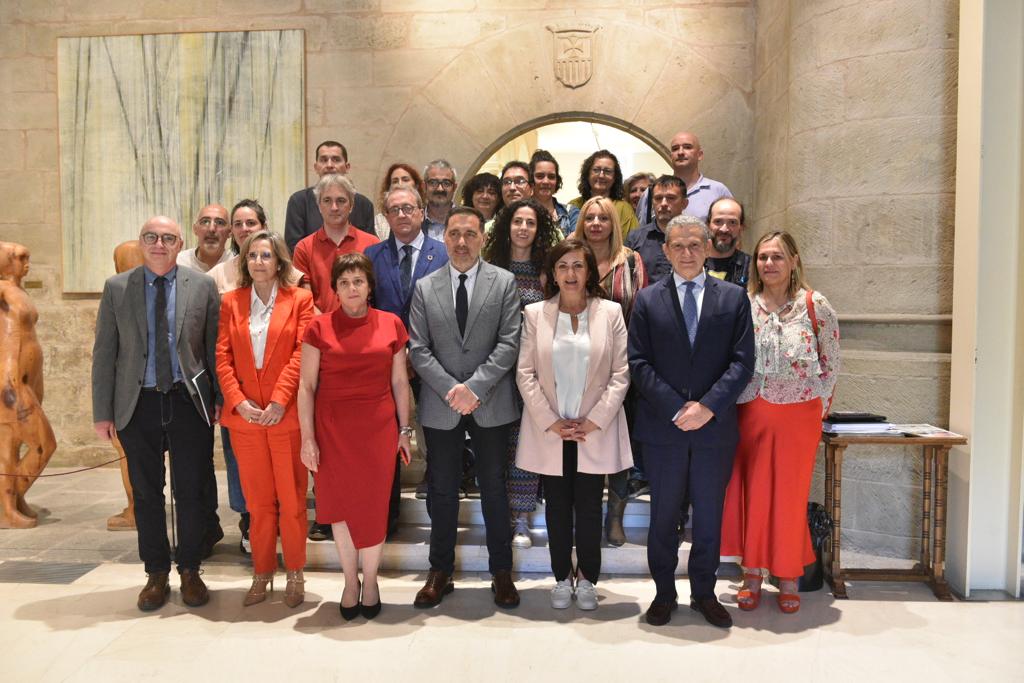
point(599, 170)
point(396, 211)
point(167, 238)
point(206, 222)
point(518, 181)
point(436, 183)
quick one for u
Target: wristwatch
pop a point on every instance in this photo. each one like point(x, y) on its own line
point(406, 431)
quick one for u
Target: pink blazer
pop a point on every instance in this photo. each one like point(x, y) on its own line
point(607, 449)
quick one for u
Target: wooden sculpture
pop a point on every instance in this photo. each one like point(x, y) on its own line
point(22, 421)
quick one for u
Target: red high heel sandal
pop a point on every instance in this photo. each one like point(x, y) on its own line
point(749, 599)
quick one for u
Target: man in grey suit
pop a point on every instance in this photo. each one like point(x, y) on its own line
point(464, 342)
point(153, 382)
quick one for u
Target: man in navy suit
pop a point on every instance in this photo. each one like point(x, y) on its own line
point(691, 353)
point(398, 264)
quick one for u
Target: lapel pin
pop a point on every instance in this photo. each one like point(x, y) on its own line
point(430, 257)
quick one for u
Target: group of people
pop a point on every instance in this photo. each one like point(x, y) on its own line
point(621, 341)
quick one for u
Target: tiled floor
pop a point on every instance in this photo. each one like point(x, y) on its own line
point(90, 629)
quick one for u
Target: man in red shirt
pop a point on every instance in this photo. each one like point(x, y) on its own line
point(315, 254)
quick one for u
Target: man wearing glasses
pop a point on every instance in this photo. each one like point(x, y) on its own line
point(154, 385)
point(212, 231)
point(399, 262)
point(516, 182)
point(439, 177)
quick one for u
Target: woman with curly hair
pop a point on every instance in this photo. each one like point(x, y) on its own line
point(522, 236)
point(601, 176)
point(483, 193)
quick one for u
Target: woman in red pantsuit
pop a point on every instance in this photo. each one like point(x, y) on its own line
point(259, 347)
point(354, 413)
point(797, 341)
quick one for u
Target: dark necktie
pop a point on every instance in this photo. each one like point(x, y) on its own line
point(163, 348)
point(405, 270)
point(462, 304)
point(690, 311)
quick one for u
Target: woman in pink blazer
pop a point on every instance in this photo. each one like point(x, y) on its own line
point(573, 377)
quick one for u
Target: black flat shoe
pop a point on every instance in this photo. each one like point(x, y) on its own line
point(370, 611)
point(350, 613)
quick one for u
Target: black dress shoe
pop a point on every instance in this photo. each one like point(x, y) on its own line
point(712, 611)
point(505, 593)
point(437, 586)
point(660, 613)
point(321, 532)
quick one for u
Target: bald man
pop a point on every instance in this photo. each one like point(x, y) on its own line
point(212, 230)
point(154, 386)
point(701, 192)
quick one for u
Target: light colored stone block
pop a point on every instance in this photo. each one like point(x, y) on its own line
point(12, 41)
point(426, 132)
point(172, 9)
point(811, 225)
point(428, 6)
point(31, 193)
point(893, 25)
point(735, 62)
point(335, 7)
point(364, 106)
point(29, 111)
point(509, 58)
point(803, 11)
point(336, 71)
point(79, 10)
point(29, 11)
point(409, 67)
point(12, 150)
point(25, 74)
point(247, 8)
point(899, 230)
point(662, 19)
point(452, 30)
point(469, 97)
point(817, 99)
point(376, 32)
point(871, 158)
point(885, 289)
point(716, 25)
point(41, 150)
point(771, 39)
point(918, 83)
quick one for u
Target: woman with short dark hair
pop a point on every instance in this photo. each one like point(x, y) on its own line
point(483, 193)
point(354, 384)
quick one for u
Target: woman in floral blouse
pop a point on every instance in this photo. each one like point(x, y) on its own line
point(780, 412)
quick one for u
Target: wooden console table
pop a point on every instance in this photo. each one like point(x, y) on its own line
point(931, 568)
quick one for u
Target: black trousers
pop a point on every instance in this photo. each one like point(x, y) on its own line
point(169, 422)
point(574, 494)
point(444, 475)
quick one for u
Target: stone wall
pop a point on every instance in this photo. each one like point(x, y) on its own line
point(854, 145)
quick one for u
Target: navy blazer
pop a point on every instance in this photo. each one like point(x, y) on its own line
point(387, 295)
point(667, 373)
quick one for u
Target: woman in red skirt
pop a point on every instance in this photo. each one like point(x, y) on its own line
point(797, 340)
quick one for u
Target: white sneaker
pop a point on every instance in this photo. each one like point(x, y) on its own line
point(586, 595)
point(561, 594)
point(521, 533)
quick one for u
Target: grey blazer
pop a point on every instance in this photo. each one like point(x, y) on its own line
point(119, 353)
point(483, 360)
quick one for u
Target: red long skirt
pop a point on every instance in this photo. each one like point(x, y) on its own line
point(765, 517)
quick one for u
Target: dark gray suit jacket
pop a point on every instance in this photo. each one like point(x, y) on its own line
point(483, 359)
point(119, 353)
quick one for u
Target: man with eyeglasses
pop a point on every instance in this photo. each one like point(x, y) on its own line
point(212, 230)
point(439, 178)
point(399, 262)
point(516, 182)
point(303, 214)
point(154, 385)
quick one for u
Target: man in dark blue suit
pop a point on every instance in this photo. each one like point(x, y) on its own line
point(398, 264)
point(691, 353)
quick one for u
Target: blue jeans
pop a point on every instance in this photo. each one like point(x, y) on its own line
point(236, 498)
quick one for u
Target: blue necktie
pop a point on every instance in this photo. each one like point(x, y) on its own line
point(690, 311)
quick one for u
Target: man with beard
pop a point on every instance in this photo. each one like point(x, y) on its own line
point(726, 261)
point(439, 178)
point(212, 231)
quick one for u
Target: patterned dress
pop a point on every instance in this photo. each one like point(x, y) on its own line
point(522, 485)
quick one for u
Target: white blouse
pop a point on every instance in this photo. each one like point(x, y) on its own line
point(259, 322)
point(571, 358)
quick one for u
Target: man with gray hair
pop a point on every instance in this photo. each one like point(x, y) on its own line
point(315, 254)
point(303, 215)
point(440, 181)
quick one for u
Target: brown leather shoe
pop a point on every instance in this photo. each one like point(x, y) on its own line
point(505, 593)
point(154, 595)
point(437, 586)
point(712, 610)
point(193, 590)
point(660, 613)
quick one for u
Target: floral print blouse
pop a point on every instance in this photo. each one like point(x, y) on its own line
point(790, 367)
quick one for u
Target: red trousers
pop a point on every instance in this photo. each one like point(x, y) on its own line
point(274, 483)
point(764, 520)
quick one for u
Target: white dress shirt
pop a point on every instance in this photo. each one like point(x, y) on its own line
point(570, 354)
point(698, 290)
point(259, 322)
point(470, 279)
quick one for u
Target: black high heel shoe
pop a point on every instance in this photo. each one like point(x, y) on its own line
point(370, 611)
point(350, 613)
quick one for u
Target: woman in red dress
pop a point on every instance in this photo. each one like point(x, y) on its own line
point(354, 385)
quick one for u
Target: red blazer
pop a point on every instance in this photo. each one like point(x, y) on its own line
point(278, 380)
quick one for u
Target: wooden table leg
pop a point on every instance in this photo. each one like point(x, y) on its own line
point(838, 585)
point(928, 454)
point(939, 585)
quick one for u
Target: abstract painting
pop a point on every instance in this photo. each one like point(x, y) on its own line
point(164, 124)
